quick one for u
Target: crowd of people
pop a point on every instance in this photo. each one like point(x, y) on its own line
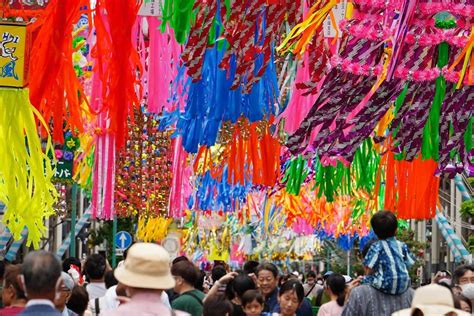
point(147, 282)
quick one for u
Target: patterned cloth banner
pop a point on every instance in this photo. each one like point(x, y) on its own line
point(4, 239)
point(79, 225)
point(455, 244)
point(11, 254)
point(462, 187)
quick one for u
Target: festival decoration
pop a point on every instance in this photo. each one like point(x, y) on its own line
point(26, 170)
point(54, 87)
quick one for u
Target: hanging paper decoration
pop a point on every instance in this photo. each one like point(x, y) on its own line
point(117, 63)
point(163, 67)
point(411, 188)
point(54, 88)
point(144, 170)
point(26, 171)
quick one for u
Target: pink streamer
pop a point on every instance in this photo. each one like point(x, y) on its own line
point(299, 105)
point(180, 186)
point(104, 155)
point(163, 67)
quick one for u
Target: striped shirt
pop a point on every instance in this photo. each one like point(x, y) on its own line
point(389, 260)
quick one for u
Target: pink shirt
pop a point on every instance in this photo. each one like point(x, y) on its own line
point(330, 309)
point(143, 304)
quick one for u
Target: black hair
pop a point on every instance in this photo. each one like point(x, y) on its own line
point(460, 271)
point(241, 284)
point(384, 224)
point(109, 279)
point(337, 285)
point(218, 272)
point(269, 267)
point(79, 300)
point(187, 271)
point(95, 267)
point(250, 296)
point(10, 277)
point(295, 286)
point(199, 285)
point(2, 268)
point(251, 267)
point(217, 306)
point(459, 298)
point(41, 271)
point(179, 259)
point(69, 261)
point(310, 274)
point(367, 246)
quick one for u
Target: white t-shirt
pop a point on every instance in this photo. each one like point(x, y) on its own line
point(96, 290)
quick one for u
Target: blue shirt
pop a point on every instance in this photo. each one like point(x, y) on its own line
point(389, 260)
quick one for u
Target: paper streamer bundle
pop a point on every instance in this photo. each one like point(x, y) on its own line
point(367, 76)
point(411, 187)
point(54, 88)
point(210, 102)
point(26, 171)
point(163, 65)
point(117, 62)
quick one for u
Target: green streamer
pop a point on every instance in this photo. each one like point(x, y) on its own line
point(295, 175)
point(398, 104)
point(179, 15)
point(468, 136)
point(430, 146)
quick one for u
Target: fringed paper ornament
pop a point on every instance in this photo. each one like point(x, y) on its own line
point(411, 187)
point(210, 102)
point(26, 170)
point(153, 229)
point(180, 184)
point(54, 87)
point(178, 14)
point(117, 63)
point(163, 68)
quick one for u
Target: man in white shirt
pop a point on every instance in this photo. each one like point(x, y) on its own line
point(94, 268)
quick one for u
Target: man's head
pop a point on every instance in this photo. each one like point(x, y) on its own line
point(384, 224)
point(71, 261)
point(146, 268)
point(311, 277)
point(463, 275)
point(218, 272)
point(95, 267)
point(40, 278)
point(217, 306)
point(66, 290)
point(11, 287)
point(185, 274)
point(251, 267)
point(267, 278)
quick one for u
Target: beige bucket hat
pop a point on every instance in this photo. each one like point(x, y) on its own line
point(147, 266)
point(432, 300)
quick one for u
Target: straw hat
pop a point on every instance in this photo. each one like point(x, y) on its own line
point(433, 300)
point(147, 266)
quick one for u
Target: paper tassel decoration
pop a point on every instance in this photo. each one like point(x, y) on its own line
point(26, 171)
point(117, 63)
point(54, 88)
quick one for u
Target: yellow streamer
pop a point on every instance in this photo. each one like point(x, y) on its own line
point(466, 53)
point(301, 34)
point(153, 229)
point(25, 170)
